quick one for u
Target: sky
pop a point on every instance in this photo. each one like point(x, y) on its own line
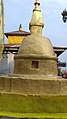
point(20, 12)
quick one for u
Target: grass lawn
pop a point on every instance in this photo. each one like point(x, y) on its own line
point(35, 115)
point(33, 106)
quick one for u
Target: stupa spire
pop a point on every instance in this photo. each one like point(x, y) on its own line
point(36, 25)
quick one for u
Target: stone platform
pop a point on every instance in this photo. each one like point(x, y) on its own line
point(33, 84)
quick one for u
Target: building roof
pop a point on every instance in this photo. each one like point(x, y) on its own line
point(17, 33)
point(59, 50)
point(15, 47)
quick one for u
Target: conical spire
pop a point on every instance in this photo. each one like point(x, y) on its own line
point(36, 23)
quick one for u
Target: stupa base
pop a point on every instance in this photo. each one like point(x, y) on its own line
point(33, 84)
point(33, 97)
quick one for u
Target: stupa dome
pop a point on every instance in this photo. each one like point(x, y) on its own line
point(36, 45)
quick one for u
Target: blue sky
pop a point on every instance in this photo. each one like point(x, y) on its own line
point(20, 11)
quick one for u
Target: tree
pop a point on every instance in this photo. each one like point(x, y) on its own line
point(64, 14)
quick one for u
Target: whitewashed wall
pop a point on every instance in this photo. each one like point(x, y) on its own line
point(7, 64)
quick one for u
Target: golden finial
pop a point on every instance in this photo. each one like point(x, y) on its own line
point(37, 3)
point(20, 27)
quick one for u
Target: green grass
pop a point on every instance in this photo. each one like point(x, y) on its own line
point(35, 115)
point(33, 106)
